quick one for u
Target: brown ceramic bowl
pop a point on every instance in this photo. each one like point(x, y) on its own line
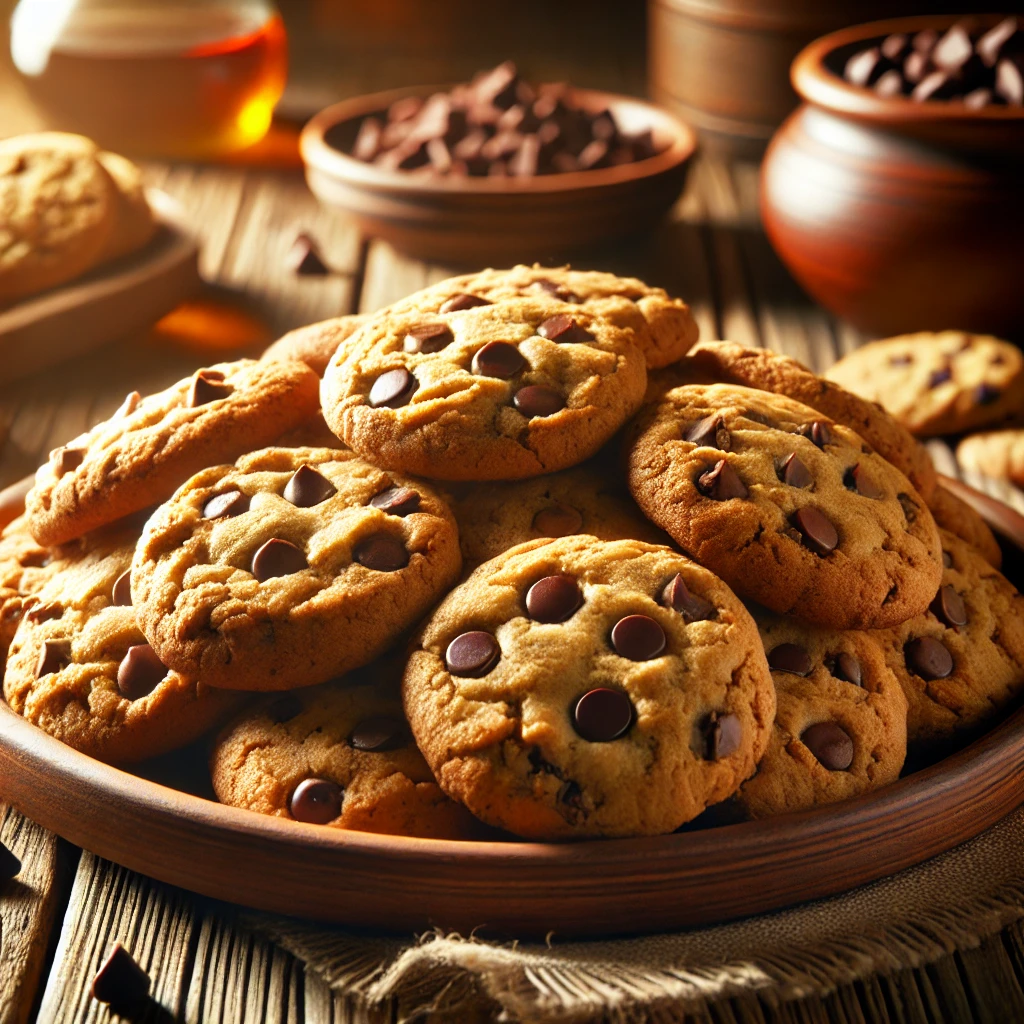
point(497, 220)
point(897, 216)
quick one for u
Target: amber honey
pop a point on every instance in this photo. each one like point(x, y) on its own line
point(161, 79)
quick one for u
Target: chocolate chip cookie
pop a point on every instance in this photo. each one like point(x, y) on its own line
point(997, 453)
point(950, 513)
point(134, 224)
point(841, 721)
point(81, 670)
point(152, 445)
point(729, 363)
point(290, 567)
point(961, 663)
point(502, 391)
point(315, 344)
point(792, 510)
point(339, 755)
point(578, 687)
point(941, 383)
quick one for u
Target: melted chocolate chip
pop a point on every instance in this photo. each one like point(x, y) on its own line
point(709, 432)
point(230, 503)
point(986, 394)
point(553, 598)
point(558, 521)
point(948, 606)
point(46, 612)
point(379, 732)
point(602, 715)
point(677, 596)
point(846, 667)
point(472, 654)
point(139, 672)
point(121, 593)
point(53, 656)
point(538, 400)
point(128, 406)
point(383, 552)
point(428, 338)
point(928, 658)
point(120, 981)
point(818, 431)
point(855, 479)
point(64, 460)
point(316, 801)
point(722, 735)
point(721, 483)
point(498, 359)
point(937, 377)
point(277, 558)
point(564, 329)
point(947, 560)
point(207, 386)
point(462, 301)
point(830, 743)
point(397, 501)
point(909, 507)
point(307, 488)
point(816, 532)
point(790, 658)
point(557, 290)
point(638, 637)
point(793, 472)
point(392, 389)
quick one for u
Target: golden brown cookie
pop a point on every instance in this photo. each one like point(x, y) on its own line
point(316, 344)
point(134, 223)
point(950, 513)
point(997, 453)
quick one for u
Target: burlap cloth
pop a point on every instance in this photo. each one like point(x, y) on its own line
point(951, 902)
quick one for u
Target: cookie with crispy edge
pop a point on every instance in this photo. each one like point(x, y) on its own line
point(955, 515)
point(315, 344)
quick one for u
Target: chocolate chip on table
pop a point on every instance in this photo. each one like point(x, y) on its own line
point(378, 733)
point(498, 359)
point(207, 386)
point(638, 637)
point(538, 400)
point(463, 300)
point(602, 715)
point(53, 656)
point(64, 460)
point(392, 389)
point(383, 552)
point(284, 709)
point(721, 483)
point(120, 981)
point(472, 654)
point(722, 735)
point(986, 394)
point(855, 479)
point(397, 501)
point(929, 658)
point(709, 432)
point(818, 432)
point(677, 596)
point(316, 801)
point(307, 487)
point(846, 667)
point(304, 257)
point(558, 520)
point(816, 531)
point(428, 338)
point(230, 503)
point(121, 592)
point(277, 557)
point(10, 865)
point(790, 658)
point(564, 329)
point(830, 743)
point(793, 472)
point(140, 672)
point(948, 606)
point(553, 598)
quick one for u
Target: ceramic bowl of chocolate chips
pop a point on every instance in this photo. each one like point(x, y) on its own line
point(497, 169)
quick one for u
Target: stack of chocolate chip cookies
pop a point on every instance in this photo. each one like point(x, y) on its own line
point(510, 556)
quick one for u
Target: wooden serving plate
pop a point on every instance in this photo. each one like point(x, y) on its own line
point(110, 302)
point(588, 888)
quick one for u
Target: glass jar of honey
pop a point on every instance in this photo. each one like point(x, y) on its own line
point(173, 78)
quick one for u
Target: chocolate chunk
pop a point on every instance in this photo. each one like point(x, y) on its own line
point(864, 67)
point(901, 360)
point(1009, 82)
point(558, 521)
point(10, 865)
point(140, 672)
point(895, 46)
point(538, 400)
point(120, 981)
point(953, 50)
point(677, 596)
point(978, 98)
point(794, 472)
point(817, 532)
point(472, 654)
point(830, 743)
point(709, 432)
point(383, 552)
point(128, 406)
point(818, 432)
point(368, 139)
point(570, 794)
point(928, 658)
point(790, 658)
point(379, 732)
point(846, 667)
point(207, 386)
point(392, 389)
point(991, 46)
point(427, 338)
point(722, 736)
point(463, 300)
point(939, 85)
point(64, 460)
point(915, 67)
point(889, 84)
point(909, 507)
point(307, 487)
point(397, 501)
point(638, 637)
point(284, 709)
point(602, 715)
point(121, 593)
point(924, 41)
point(277, 558)
point(721, 483)
point(937, 377)
point(53, 656)
point(304, 257)
point(564, 329)
point(316, 801)
point(230, 503)
point(498, 359)
point(855, 479)
point(553, 598)
point(559, 291)
point(986, 394)
point(526, 161)
point(46, 612)
point(948, 606)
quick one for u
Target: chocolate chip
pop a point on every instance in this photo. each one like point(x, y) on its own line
point(121, 593)
point(428, 338)
point(990, 46)
point(207, 386)
point(10, 865)
point(284, 709)
point(986, 394)
point(953, 50)
point(638, 637)
point(538, 400)
point(901, 360)
point(722, 735)
point(794, 472)
point(889, 84)
point(709, 432)
point(397, 501)
point(230, 503)
point(462, 301)
point(316, 801)
point(864, 67)
point(45, 612)
point(307, 487)
point(721, 483)
point(602, 715)
point(818, 432)
point(277, 558)
point(558, 521)
point(947, 560)
point(392, 389)
point(790, 658)
point(830, 743)
point(676, 595)
point(948, 606)
point(895, 45)
point(53, 656)
point(304, 257)
point(846, 667)
point(383, 552)
point(120, 981)
point(816, 531)
point(128, 406)
point(553, 598)
point(928, 658)
point(855, 479)
point(472, 654)
point(379, 732)
point(1009, 82)
point(909, 507)
point(498, 359)
point(564, 329)
point(557, 290)
point(64, 460)
point(937, 377)
point(139, 672)
point(569, 793)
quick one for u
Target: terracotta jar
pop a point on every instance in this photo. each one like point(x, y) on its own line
point(897, 215)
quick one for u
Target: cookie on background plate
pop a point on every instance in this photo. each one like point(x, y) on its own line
point(840, 724)
point(315, 344)
point(791, 510)
point(955, 515)
point(290, 567)
point(152, 445)
point(579, 687)
point(997, 453)
point(134, 224)
point(513, 389)
point(938, 383)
